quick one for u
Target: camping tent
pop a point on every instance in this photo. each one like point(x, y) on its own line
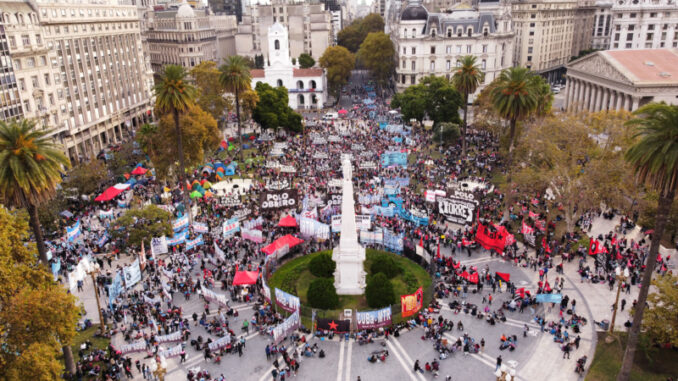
point(288, 241)
point(288, 222)
point(139, 171)
point(111, 192)
point(230, 169)
point(245, 277)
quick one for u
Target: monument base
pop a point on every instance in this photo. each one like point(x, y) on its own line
point(349, 276)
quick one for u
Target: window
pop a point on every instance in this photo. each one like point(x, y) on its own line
point(448, 65)
point(531, 25)
point(448, 49)
point(433, 65)
point(649, 37)
point(483, 64)
point(25, 40)
point(30, 62)
point(650, 27)
point(43, 60)
point(414, 65)
point(404, 50)
point(653, 14)
point(529, 50)
point(616, 36)
point(414, 50)
point(529, 58)
point(433, 50)
point(34, 82)
point(449, 32)
point(457, 64)
point(17, 64)
point(404, 79)
point(631, 27)
point(12, 42)
point(404, 64)
point(629, 37)
point(22, 84)
point(632, 15)
point(413, 79)
point(469, 32)
point(47, 79)
point(468, 49)
point(38, 39)
point(484, 48)
point(277, 45)
point(458, 49)
point(531, 33)
point(414, 33)
point(280, 83)
point(533, 16)
point(27, 106)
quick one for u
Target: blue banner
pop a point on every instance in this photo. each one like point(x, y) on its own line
point(102, 240)
point(549, 298)
point(73, 232)
point(391, 190)
point(408, 216)
point(373, 319)
point(393, 241)
point(178, 238)
point(114, 289)
point(384, 211)
point(200, 227)
point(387, 201)
point(56, 266)
point(398, 181)
point(194, 242)
point(393, 158)
point(180, 223)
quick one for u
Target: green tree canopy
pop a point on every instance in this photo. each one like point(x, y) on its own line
point(306, 61)
point(322, 294)
point(322, 265)
point(338, 62)
point(433, 96)
point(379, 291)
point(87, 177)
point(377, 54)
point(353, 35)
point(273, 110)
point(37, 315)
point(661, 318)
point(199, 132)
point(210, 90)
point(138, 225)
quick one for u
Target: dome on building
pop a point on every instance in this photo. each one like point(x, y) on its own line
point(185, 11)
point(414, 11)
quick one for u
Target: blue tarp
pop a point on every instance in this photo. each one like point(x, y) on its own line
point(549, 298)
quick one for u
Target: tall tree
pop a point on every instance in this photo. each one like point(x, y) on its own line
point(199, 133)
point(514, 98)
point(210, 90)
point(655, 159)
point(273, 109)
point(377, 54)
point(37, 314)
point(236, 78)
point(30, 169)
point(466, 79)
point(140, 225)
point(353, 35)
point(433, 96)
point(174, 95)
point(87, 177)
point(306, 61)
point(338, 62)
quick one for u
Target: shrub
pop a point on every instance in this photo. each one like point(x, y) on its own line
point(411, 282)
point(387, 265)
point(322, 266)
point(379, 291)
point(322, 294)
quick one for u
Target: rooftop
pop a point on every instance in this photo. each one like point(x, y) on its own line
point(310, 72)
point(645, 66)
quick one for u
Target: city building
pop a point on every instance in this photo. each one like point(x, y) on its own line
point(644, 24)
point(309, 26)
point(602, 21)
point(550, 32)
point(227, 7)
point(79, 70)
point(622, 79)
point(433, 43)
point(307, 88)
point(186, 36)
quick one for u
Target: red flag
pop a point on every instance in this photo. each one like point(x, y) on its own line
point(545, 245)
point(421, 241)
point(456, 265)
point(547, 287)
point(505, 276)
point(438, 255)
point(521, 292)
point(533, 215)
point(473, 278)
point(466, 242)
point(594, 247)
point(526, 229)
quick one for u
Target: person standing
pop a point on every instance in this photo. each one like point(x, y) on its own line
point(498, 363)
point(482, 345)
point(417, 368)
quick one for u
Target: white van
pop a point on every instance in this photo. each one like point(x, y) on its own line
point(331, 116)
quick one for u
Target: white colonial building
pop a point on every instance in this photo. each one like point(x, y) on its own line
point(306, 87)
point(622, 79)
point(433, 43)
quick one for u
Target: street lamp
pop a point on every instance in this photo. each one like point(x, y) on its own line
point(621, 278)
point(96, 296)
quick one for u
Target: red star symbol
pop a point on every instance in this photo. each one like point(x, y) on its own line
point(333, 326)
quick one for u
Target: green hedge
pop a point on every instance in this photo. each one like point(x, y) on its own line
point(322, 294)
point(322, 266)
point(379, 291)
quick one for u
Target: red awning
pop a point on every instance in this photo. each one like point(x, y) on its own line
point(111, 192)
point(245, 277)
point(139, 171)
point(288, 222)
point(288, 241)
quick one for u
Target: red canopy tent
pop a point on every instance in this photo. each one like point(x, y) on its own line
point(245, 277)
point(111, 192)
point(289, 240)
point(139, 171)
point(288, 222)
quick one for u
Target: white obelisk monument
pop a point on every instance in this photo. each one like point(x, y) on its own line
point(349, 276)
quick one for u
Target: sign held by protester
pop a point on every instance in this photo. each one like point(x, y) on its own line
point(278, 200)
point(285, 328)
point(412, 303)
point(373, 319)
point(456, 210)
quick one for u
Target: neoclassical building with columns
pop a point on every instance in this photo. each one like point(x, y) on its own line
point(622, 79)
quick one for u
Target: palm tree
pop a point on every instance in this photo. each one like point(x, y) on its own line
point(30, 170)
point(466, 79)
point(544, 96)
point(655, 158)
point(174, 94)
point(514, 98)
point(236, 78)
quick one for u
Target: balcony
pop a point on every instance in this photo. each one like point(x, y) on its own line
point(301, 91)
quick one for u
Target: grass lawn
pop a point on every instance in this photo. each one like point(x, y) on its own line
point(294, 277)
point(88, 334)
point(658, 365)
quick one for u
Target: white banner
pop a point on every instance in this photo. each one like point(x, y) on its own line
point(219, 343)
point(364, 222)
point(231, 227)
point(253, 235)
point(172, 337)
point(368, 165)
point(313, 228)
point(212, 296)
point(137, 346)
point(286, 327)
point(336, 223)
point(170, 352)
point(132, 274)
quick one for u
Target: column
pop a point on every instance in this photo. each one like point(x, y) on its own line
point(613, 100)
point(567, 95)
point(634, 103)
point(606, 99)
point(596, 98)
point(573, 99)
point(621, 102)
point(586, 92)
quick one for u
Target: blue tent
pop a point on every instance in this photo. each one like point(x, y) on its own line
point(230, 169)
